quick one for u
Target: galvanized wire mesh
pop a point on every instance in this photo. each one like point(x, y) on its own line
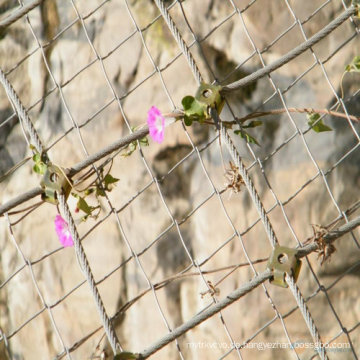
point(171, 233)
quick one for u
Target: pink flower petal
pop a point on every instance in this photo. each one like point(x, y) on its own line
point(62, 231)
point(156, 124)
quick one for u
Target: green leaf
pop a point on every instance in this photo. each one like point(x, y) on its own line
point(84, 218)
point(83, 206)
point(253, 124)
point(316, 124)
point(75, 195)
point(354, 66)
point(187, 120)
point(40, 168)
point(131, 148)
point(108, 181)
point(246, 136)
point(89, 191)
point(187, 102)
point(193, 110)
point(144, 141)
point(99, 191)
point(36, 158)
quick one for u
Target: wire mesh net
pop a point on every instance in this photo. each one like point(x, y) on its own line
point(180, 231)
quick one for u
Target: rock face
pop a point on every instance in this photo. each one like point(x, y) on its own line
point(86, 70)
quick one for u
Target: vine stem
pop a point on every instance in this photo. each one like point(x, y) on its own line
point(144, 131)
point(258, 114)
point(294, 110)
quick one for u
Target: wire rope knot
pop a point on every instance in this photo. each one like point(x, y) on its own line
point(283, 261)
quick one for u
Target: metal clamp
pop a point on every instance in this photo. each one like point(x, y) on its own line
point(210, 96)
point(54, 181)
point(283, 260)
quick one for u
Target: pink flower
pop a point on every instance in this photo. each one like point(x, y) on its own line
point(62, 231)
point(156, 124)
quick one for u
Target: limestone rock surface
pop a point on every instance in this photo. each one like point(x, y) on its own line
point(85, 69)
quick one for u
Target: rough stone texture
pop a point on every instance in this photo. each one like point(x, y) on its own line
point(82, 95)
